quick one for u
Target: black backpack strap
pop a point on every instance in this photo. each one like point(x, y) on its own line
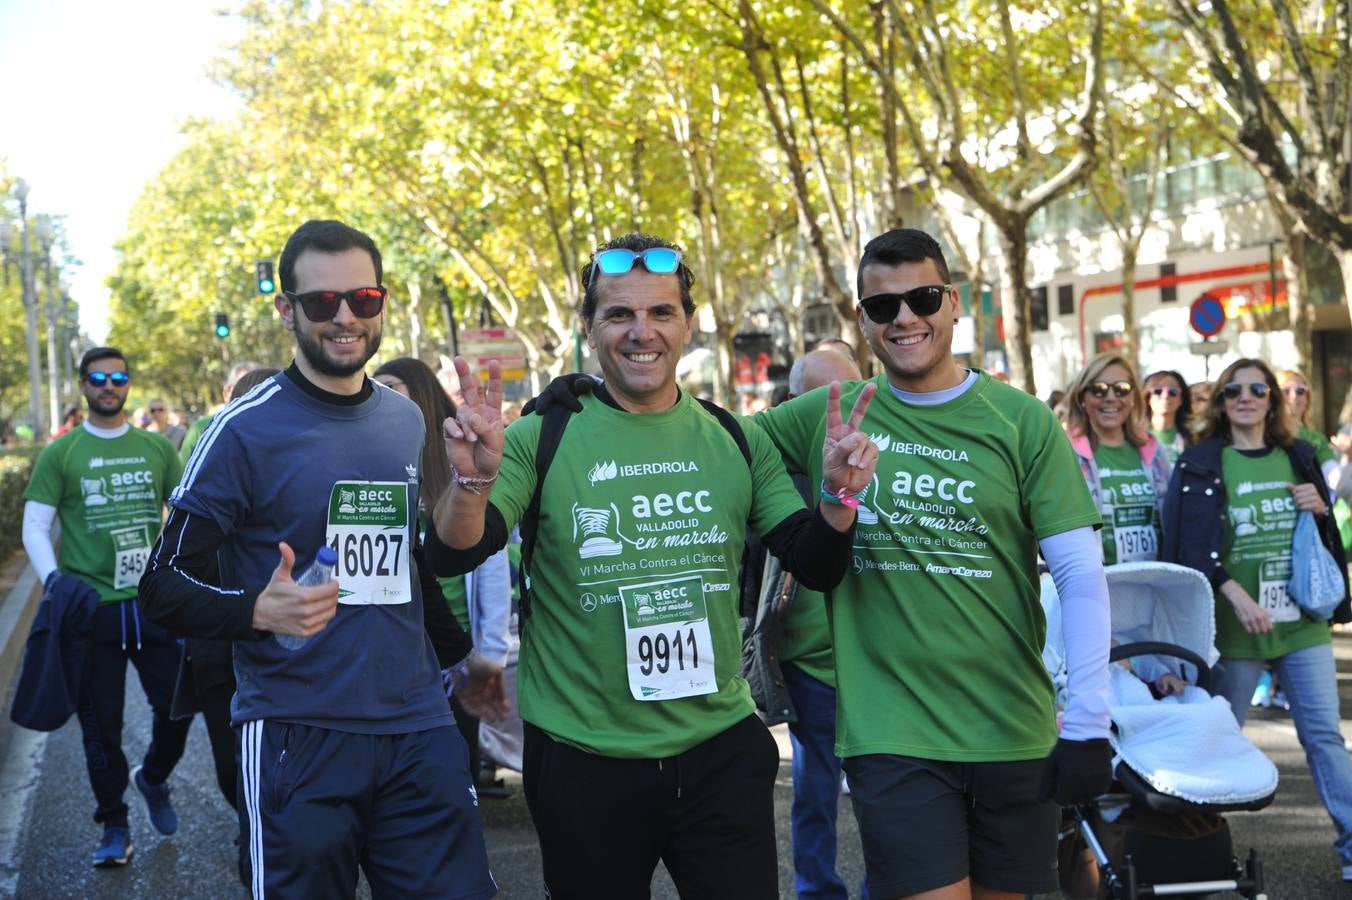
point(551, 434)
point(729, 421)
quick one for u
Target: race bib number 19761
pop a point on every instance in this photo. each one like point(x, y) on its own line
point(368, 529)
point(669, 653)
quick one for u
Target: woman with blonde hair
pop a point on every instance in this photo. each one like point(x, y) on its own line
point(1299, 398)
point(1231, 514)
point(1123, 464)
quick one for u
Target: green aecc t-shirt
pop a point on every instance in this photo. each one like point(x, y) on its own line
point(937, 628)
point(806, 637)
point(1256, 550)
point(109, 495)
point(633, 644)
point(1131, 520)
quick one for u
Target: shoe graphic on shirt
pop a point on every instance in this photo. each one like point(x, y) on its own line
point(598, 530)
point(866, 514)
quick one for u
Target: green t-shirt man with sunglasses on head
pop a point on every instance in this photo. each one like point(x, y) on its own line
point(641, 739)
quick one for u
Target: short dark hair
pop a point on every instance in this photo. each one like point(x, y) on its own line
point(901, 245)
point(636, 242)
point(94, 354)
point(327, 236)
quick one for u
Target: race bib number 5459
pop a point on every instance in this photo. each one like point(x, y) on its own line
point(368, 529)
point(669, 653)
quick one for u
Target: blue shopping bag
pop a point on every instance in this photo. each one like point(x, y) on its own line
point(1316, 584)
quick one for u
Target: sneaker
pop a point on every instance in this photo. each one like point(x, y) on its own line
point(115, 848)
point(158, 807)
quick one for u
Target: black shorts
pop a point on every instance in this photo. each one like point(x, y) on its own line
point(926, 824)
point(708, 814)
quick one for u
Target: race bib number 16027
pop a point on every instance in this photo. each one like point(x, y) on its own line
point(669, 652)
point(368, 529)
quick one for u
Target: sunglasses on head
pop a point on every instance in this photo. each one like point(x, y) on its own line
point(99, 379)
point(1299, 390)
point(1257, 389)
point(322, 306)
point(1100, 389)
point(657, 260)
point(923, 301)
point(1161, 391)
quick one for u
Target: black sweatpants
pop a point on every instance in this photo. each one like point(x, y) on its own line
point(120, 634)
point(708, 814)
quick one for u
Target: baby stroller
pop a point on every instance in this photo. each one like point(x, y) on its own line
point(1179, 762)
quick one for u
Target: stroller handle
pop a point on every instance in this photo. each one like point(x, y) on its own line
point(1159, 648)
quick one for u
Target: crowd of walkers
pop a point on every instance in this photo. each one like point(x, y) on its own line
point(903, 522)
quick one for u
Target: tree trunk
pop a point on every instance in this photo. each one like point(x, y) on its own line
point(1344, 257)
point(1298, 301)
point(414, 320)
point(978, 314)
point(1131, 347)
point(1014, 305)
point(725, 392)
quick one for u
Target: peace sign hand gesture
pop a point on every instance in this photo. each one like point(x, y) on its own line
point(849, 458)
point(473, 436)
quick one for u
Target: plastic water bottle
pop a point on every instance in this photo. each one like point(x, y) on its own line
point(320, 572)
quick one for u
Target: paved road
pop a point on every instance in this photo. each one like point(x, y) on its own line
point(47, 836)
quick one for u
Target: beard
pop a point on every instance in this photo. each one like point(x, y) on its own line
point(109, 405)
point(312, 348)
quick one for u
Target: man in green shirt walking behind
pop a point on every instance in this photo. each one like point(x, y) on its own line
point(107, 482)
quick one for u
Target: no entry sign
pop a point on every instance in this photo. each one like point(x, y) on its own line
point(1207, 315)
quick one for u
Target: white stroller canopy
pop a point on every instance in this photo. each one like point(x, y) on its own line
point(1150, 601)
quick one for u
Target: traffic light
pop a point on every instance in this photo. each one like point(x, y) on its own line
point(263, 273)
point(222, 325)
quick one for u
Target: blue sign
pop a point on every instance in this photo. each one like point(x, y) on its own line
point(1207, 315)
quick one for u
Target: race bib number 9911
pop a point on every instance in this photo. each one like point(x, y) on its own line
point(669, 652)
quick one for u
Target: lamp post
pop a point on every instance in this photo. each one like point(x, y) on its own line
point(44, 231)
point(30, 299)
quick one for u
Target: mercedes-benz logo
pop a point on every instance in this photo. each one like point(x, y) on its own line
point(588, 602)
point(858, 566)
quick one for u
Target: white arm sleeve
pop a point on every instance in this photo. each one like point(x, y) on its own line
point(1076, 562)
point(490, 606)
point(37, 537)
point(1332, 475)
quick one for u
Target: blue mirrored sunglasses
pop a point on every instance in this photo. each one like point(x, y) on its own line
point(99, 379)
point(658, 260)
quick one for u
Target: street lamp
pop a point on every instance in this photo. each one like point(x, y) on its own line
point(44, 231)
point(21, 189)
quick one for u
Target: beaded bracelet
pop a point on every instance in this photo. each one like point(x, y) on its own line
point(473, 485)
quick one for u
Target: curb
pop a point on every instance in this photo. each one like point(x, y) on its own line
point(16, 617)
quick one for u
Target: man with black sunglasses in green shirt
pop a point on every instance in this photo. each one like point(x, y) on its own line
point(945, 713)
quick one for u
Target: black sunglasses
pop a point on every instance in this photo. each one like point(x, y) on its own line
point(923, 301)
point(1100, 388)
point(1161, 391)
point(1299, 390)
point(1258, 389)
point(322, 306)
point(99, 379)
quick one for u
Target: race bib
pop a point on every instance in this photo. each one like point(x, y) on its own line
point(131, 552)
point(669, 653)
point(368, 529)
point(1134, 534)
point(1272, 578)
